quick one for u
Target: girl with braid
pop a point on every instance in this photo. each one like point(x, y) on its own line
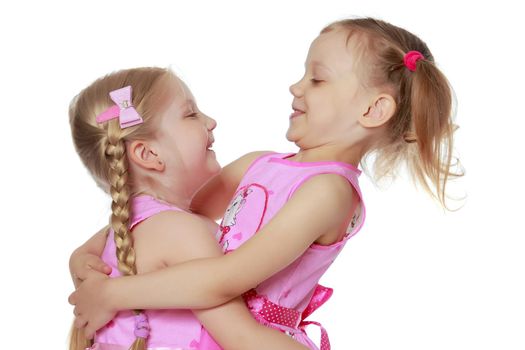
point(144, 140)
point(370, 88)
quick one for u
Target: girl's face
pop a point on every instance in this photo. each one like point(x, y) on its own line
point(330, 97)
point(185, 137)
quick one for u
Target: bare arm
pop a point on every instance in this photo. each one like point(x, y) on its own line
point(213, 198)
point(197, 241)
point(246, 332)
point(87, 257)
point(170, 238)
point(319, 206)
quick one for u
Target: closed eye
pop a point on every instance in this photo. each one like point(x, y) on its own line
point(316, 81)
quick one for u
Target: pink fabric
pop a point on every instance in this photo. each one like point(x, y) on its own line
point(124, 110)
point(271, 312)
point(100, 346)
point(277, 316)
point(410, 59)
point(170, 329)
point(265, 188)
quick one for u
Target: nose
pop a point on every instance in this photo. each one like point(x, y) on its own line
point(210, 123)
point(296, 89)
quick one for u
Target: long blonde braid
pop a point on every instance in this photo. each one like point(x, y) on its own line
point(120, 207)
point(102, 149)
point(120, 194)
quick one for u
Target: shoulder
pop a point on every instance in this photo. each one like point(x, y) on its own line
point(182, 219)
point(178, 236)
point(328, 196)
point(335, 203)
point(243, 163)
point(177, 224)
point(328, 188)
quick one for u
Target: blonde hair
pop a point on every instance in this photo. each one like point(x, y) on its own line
point(102, 149)
point(421, 130)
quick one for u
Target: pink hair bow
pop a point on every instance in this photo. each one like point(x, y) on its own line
point(123, 109)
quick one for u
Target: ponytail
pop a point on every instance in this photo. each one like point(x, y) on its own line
point(432, 129)
point(421, 130)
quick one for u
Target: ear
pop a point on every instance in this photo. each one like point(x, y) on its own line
point(144, 155)
point(379, 111)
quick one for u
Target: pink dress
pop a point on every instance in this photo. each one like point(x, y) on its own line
point(169, 329)
point(287, 298)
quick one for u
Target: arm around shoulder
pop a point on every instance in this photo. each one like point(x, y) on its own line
point(214, 197)
point(321, 204)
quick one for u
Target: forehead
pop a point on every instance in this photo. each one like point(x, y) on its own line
point(333, 49)
point(176, 98)
point(180, 92)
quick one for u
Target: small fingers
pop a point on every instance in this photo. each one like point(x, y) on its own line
point(96, 263)
point(102, 267)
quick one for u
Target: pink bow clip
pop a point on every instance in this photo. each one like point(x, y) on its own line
point(123, 109)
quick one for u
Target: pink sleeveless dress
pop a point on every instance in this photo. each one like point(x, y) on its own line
point(169, 329)
point(284, 300)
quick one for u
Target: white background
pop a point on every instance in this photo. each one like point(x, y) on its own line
point(414, 278)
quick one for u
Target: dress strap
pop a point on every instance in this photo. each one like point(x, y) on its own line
point(325, 342)
point(320, 296)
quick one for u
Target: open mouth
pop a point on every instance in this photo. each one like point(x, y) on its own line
point(296, 112)
point(210, 144)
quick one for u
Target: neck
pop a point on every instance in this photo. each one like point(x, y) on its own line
point(352, 155)
point(174, 193)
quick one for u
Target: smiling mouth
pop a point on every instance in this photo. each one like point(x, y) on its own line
point(211, 140)
point(296, 113)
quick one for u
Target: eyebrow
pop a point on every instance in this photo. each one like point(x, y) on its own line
point(189, 104)
point(315, 64)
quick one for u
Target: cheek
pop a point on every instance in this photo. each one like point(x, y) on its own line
point(188, 138)
point(320, 102)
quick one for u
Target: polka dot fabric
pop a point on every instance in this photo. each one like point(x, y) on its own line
point(264, 309)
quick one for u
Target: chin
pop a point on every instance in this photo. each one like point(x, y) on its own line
point(215, 168)
point(291, 137)
point(216, 171)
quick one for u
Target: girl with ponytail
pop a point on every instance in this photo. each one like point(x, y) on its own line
point(371, 91)
point(141, 136)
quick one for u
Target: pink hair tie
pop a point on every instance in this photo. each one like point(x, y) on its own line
point(410, 59)
point(141, 326)
point(123, 109)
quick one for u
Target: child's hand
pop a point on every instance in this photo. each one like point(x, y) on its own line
point(92, 310)
point(81, 263)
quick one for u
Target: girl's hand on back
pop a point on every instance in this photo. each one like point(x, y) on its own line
point(93, 305)
point(86, 258)
point(80, 264)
